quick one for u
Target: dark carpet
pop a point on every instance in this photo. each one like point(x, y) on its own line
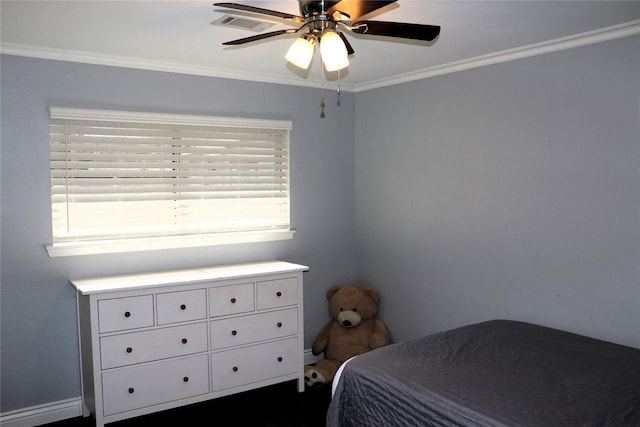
point(279, 405)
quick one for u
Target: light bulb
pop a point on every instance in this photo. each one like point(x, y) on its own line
point(301, 52)
point(333, 51)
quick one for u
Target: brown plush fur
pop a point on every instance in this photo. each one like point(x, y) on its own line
point(354, 330)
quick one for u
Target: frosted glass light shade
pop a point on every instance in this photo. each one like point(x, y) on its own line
point(333, 51)
point(301, 52)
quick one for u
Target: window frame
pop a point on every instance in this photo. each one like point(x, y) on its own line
point(146, 243)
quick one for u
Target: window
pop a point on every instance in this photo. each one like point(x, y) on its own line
point(131, 181)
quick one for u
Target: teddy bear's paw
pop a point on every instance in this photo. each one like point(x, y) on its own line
point(313, 378)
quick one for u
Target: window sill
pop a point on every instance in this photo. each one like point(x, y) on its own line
point(174, 242)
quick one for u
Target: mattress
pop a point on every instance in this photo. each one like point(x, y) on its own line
point(494, 373)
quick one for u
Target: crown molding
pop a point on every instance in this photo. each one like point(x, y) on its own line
point(150, 65)
point(626, 29)
point(583, 39)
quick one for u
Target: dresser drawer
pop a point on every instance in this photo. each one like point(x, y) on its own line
point(251, 364)
point(138, 347)
point(181, 306)
point(118, 314)
point(232, 299)
point(146, 385)
point(277, 293)
point(252, 328)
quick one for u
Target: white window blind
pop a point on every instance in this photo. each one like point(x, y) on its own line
point(123, 175)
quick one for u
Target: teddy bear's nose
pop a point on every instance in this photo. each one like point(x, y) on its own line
point(346, 323)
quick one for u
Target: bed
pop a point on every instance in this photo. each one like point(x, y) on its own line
point(494, 373)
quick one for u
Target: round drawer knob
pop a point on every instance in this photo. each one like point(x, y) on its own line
point(185, 379)
point(131, 390)
point(279, 294)
point(234, 369)
point(183, 307)
point(234, 332)
point(129, 349)
point(233, 300)
point(280, 359)
point(184, 340)
point(279, 324)
point(127, 314)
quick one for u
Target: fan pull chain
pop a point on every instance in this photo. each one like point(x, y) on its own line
point(338, 88)
point(322, 104)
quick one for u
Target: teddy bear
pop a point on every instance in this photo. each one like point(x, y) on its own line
point(353, 330)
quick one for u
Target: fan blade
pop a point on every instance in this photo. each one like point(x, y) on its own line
point(259, 37)
point(262, 11)
point(354, 9)
point(396, 29)
point(350, 50)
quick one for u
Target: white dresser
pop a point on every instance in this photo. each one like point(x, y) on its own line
point(150, 342)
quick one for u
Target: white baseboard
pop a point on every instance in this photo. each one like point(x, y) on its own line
point(309, 358)
point(42, 414)
point(70, 408)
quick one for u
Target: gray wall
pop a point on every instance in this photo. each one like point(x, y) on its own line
point(39, 334)
point(509, 191)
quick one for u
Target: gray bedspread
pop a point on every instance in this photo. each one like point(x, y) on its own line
point(495, 373)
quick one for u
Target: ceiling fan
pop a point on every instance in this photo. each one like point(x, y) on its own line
point(321, 23)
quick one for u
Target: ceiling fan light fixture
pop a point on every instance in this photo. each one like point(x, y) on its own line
point(333, 51)
point(301, 51)
point(322, 19)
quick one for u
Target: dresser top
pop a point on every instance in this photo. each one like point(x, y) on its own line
point(173, 277)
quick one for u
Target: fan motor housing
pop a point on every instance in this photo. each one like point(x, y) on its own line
point(310, 7)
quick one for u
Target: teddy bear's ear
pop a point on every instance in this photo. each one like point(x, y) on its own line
point(332, 290)
point(372, 294)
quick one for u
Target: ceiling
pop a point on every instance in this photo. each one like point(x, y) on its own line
point(178, 36)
